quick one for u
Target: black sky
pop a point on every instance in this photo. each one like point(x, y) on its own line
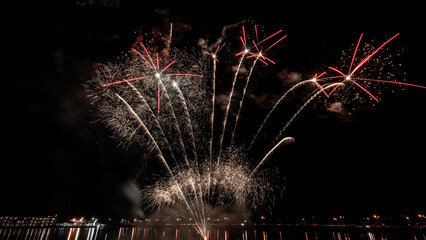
point(57, 161)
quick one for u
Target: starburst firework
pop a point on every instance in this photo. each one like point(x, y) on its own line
point(198, 172)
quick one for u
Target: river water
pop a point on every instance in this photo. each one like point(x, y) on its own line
point(189, 233)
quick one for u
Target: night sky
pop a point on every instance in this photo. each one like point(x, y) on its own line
point(56, 159)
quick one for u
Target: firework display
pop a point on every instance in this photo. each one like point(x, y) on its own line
point(165, 100)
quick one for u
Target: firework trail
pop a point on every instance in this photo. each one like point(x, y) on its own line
point(231, 93)
point(141, 124)
point(213, 103)
point(129, 95)
point(303, 106)
point(187, 123)
point(258, 56)
point(282, 98)
point(283, 142)
point(175, 121)
point(242, 99)
point(153, 119)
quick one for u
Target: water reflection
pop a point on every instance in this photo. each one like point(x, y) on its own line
point(188, 233)
point(51, 233)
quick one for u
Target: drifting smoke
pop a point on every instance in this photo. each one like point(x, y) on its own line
point(289, 78)
point(203, 43)
point(133, 194)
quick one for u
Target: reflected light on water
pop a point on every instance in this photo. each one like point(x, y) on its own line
point(47, 233)
point(188, 233)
